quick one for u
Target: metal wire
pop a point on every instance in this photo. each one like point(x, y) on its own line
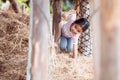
point(84, 43)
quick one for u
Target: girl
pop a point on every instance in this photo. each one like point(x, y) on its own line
point(70, 33)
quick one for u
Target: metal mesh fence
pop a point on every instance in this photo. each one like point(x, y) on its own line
point(84, 43)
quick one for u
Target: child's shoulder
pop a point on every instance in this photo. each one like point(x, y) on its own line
point(62, 23)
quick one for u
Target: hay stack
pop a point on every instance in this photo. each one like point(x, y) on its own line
point(13, 45)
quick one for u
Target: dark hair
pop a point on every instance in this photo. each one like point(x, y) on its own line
point(83, 22)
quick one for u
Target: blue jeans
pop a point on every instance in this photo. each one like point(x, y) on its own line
point(66, 44)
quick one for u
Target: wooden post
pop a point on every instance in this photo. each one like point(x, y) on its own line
point(95, 35)
point(110, 40)
point(56, 17)
point(41, 16)
point(28, 76)
point(14, 6)
point(77, 8)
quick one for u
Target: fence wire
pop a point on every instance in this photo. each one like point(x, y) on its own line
point(84, 43)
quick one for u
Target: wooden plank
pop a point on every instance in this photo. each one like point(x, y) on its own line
point(41, 16)
point(28, 76)
point(95, 35)
point(56, 17)
point(110, 39)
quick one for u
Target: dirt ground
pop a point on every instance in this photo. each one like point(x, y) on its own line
point(14, 31)
point(13, 45)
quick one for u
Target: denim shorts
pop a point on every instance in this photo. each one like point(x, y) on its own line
point(66, 44)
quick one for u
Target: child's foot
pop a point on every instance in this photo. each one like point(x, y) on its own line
point(73, 56)
point(62, 51)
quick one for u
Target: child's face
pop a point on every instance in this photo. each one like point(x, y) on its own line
point(75, 29)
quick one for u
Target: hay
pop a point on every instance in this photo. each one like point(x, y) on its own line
point(62, 67)
point(13, 45)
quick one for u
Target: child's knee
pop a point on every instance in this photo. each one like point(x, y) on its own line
point(62, 47)
point(70, 49)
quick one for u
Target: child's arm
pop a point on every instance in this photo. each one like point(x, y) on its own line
point(75, 50)
point(65, 15)
point(75, 45)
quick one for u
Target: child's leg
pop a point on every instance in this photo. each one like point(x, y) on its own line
point(63, 43)
point(70, 44)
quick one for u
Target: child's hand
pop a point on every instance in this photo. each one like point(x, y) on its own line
point(64, 16)
point(72, 11)
point(57, 48)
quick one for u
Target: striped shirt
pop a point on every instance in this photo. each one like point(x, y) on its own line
point(66, 29)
